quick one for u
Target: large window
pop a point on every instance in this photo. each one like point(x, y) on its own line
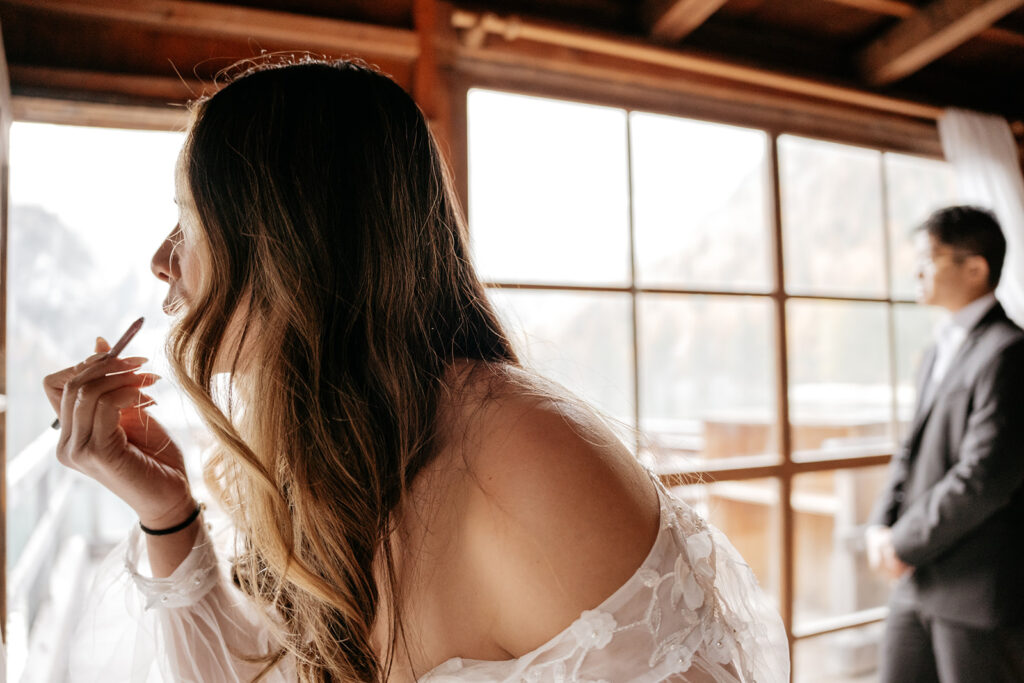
point(89, 207)
point(741, 298)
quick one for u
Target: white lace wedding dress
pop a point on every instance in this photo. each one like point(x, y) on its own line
point(691, 612)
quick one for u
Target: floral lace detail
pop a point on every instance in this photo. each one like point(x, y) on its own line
point(594, 629)
point(193, 578)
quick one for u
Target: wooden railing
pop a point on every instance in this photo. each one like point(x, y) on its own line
point(47, 581)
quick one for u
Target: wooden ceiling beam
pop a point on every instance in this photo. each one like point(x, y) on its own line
point(159, 89)
point(903, 9)
point(889, 8)
point(609, 81)
point(673, 20)
point(98, 114)
point(475, 27)
point(927, 34)
point(280, 28)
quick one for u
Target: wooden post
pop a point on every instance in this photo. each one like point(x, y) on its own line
point(440, 94)
point(5, 128)
point(787, 583)
point(429, 83)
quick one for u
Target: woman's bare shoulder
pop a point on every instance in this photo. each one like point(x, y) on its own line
point(560, 515)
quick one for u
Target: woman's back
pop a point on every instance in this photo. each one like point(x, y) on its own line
point(531, 513)
point(536, 548)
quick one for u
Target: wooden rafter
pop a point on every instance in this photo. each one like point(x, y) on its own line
point(928, 34)
point(891, 8)
point(306, 32)
point(98, 114)
point(903, 9)
point(673, 20)
point(127, 86)
point(475, 24)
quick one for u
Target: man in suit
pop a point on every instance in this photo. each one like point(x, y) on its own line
point(949, 524)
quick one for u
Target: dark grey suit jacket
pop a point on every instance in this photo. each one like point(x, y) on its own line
point(955, 499)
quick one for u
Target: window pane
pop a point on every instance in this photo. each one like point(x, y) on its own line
point(89, 206)
point(849, 656)
point(547, 184)
point(840, 392)
point(706, 378)
point(582, 340)
point(832, 218)
point(830, 511)
point(699, 204)
point(915, 326)
point(914, 188)
point(747, 512)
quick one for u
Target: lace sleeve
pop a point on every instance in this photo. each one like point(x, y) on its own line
point(193, 626)
point(745, 628)
point(700, 615)
point(190, 582)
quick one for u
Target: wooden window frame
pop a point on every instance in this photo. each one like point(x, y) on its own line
point(786, 468)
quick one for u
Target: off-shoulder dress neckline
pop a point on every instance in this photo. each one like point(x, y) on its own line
point(609, 604)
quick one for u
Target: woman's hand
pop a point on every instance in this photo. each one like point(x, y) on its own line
point(107, 435)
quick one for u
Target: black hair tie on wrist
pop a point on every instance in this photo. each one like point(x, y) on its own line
point(175, 528)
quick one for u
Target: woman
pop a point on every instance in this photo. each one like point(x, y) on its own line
point(412, 504)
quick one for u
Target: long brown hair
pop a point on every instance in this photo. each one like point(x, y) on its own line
point(327, 221)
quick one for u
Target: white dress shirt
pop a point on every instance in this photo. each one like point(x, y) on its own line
point(950, 336)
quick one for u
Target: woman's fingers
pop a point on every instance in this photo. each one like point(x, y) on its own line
point(54, 384)
point(69, 388)
point(149, 436)
point(95, 398)
point(81, 377)
point(80, 393)
point(107, 417)
point(94, 367)
point(89, 398)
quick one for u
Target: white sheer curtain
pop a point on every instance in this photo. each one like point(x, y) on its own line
point(985, 157)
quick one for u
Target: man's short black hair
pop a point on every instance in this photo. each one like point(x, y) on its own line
point(972, 230)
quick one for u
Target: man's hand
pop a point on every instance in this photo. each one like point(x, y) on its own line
point(881, 554)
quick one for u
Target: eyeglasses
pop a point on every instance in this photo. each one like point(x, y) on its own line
point(928, 261)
